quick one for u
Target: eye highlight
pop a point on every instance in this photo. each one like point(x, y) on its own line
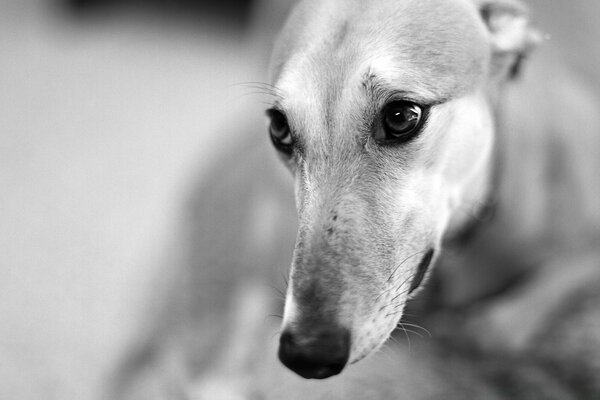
point(401, 121)
point(280, 132)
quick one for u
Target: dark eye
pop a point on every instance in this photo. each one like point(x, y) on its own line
point(401, 121)
point(279, 130)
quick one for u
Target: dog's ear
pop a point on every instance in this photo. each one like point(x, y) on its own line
point(511, 33)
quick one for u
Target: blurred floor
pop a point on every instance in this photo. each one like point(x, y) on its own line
point(104, 126)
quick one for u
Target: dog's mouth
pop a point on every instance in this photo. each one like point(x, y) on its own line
point(318, 349)
point(377, 331)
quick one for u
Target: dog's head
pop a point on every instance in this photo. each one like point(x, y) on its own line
point(384, 115)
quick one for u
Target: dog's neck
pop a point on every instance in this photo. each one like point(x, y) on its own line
point(544, 186)
point(540, 179)
point(550, 183)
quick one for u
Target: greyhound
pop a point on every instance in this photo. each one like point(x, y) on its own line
point(389, 116)
point(403, 123)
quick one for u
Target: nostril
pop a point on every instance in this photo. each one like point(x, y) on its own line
point(317, 355)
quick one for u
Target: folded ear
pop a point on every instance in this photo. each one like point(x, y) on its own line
point(511, 34)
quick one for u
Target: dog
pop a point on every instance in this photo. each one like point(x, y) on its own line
point(392, 117)
point(413, 128)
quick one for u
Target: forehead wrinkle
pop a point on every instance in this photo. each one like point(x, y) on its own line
point(418, 53)
point(439, 58)
point(379, 90)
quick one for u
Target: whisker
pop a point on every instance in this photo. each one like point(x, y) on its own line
point(244, 95)
point(386, 346)
point(393, 288)
point(278, 291)
point(263, 86)
point(393, 339)
point(257, 86)
point(411, 315)
point(406, 259)
point(393, 313)
point(259, 83)
point(406, 334)
point(277, 333)
point(418, 327)
point(402, 292)
point(285, 279)
point(413, 332)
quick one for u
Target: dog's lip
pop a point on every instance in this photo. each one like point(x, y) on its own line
point(365, 354)
point(422, 269)
point(419, 276)
point(359, 358)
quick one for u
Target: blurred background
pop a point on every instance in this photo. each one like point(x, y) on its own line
point(111, 114)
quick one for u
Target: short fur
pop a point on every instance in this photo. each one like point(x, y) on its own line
point(368, 213)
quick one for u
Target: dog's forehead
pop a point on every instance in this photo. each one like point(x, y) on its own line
point(433, 49)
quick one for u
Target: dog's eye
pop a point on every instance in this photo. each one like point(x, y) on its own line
point(279, 130)
point(401, 121)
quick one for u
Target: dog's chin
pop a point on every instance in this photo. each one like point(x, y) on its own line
point(363, 349)
point(366, 353)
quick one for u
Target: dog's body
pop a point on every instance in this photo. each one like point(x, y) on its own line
point(373, 215)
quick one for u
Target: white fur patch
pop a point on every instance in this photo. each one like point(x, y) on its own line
point(290, 310)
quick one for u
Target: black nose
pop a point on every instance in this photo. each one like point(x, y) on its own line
point(318, 354)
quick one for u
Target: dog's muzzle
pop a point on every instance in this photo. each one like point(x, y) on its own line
point(316, 354)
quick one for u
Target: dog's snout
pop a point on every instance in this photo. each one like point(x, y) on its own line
point(318, 354)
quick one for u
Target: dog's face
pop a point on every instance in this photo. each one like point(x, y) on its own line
point(383, 115)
